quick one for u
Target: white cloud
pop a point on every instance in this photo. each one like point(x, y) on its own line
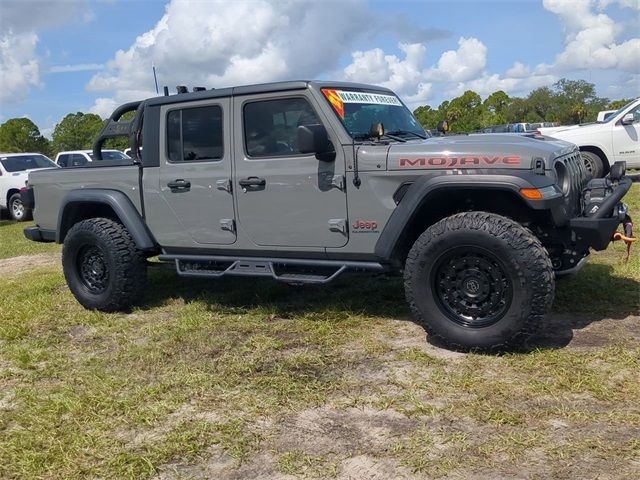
point(27, 16)
point(465, 63)
point(197, 43)
point(590, 41)
point(19, 68)
point(401, 75)
point(635, 4)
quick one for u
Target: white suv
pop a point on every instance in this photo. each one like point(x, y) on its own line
point(606, 142)
point(14, 171)
point(79, 158)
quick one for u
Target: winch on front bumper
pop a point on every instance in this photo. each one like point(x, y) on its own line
point(602, 211)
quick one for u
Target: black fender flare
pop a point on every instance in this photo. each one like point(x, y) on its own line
point(119, 203)
point(426, 186)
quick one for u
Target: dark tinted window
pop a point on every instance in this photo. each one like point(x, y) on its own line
point(195, 134)
point(110, 155)
point(26, 162)
point(270, 126)
point(77, 160)
point(63, 160)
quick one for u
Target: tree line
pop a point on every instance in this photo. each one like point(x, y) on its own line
point(566, 102)
point(76, 131)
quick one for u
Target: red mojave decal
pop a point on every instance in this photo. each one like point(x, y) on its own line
point(464, 161)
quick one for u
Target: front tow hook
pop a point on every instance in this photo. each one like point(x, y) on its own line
point(626, 235)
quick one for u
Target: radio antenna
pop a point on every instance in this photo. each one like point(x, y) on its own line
point(155, 78)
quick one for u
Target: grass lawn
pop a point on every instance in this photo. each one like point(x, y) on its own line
point(254, 379)
point(14, 243)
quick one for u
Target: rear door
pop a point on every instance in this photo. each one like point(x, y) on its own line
point(195, 169)
point(284, 197)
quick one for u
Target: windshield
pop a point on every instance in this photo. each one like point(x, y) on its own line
point(358, 110)
point(611, 116)
point(107, 155)
point(26, 162)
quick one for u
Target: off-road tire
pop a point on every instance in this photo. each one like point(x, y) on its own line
point(17, 210)
point(104, 269)
point(594, 164)
point(527, 280)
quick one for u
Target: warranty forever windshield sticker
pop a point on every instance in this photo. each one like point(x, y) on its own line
point(339, 97)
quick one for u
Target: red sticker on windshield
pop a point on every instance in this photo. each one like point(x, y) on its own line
point(335, 100)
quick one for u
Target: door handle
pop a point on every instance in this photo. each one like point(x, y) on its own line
point(179, 185)
point(252, 182)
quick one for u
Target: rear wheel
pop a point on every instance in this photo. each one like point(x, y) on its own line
point(17, 210)
point(593, 163)
point(103, 267)
point(480, 281)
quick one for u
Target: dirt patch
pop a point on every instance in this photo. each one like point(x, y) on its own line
point(324, 431)
point(364, 467)
point(15, 266)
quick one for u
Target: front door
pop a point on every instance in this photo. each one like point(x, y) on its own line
point(626, 144)
point(195, 169)
point(284, 197)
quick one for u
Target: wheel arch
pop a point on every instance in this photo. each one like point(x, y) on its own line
point(10, 193)
point(428, 201)
point(83, 204)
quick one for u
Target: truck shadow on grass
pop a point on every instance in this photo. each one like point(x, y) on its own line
point(593, 295)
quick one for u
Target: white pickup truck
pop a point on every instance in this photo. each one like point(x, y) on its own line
point(606, 142)
point(14, 171)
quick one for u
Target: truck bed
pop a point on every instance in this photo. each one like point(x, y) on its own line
point(51, 185)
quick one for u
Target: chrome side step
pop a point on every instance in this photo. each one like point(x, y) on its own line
point(286, 270)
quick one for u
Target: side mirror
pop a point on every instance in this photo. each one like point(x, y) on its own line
point(313, 139)
point(443, 127)
point(627, 119)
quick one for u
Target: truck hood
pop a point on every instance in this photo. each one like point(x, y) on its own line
point(476, 151)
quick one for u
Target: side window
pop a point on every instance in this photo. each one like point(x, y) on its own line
point(195, 134)
point(78, 160)
point(270, 126)
point(63, 159)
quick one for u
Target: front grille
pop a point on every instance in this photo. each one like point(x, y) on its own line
point(578, 177)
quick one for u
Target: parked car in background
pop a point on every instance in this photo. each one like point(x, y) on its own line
point(127, 151)
point(603, 143)
point(79, 158)
point(14, 171)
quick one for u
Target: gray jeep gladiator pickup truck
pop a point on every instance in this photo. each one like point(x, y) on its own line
point(303, 180)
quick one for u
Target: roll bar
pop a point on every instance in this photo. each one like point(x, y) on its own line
point(114, 129)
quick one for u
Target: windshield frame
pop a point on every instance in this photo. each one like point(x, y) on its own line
point(357, 137)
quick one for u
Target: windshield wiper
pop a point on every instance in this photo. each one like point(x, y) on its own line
point(366, 136)
point(404, 132)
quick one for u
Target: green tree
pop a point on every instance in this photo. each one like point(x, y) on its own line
point(76, 131)
point(617, 104)
point(496, 105)
point(22, 135)
point(464, 113)
point(577, 100)
point(428, 117)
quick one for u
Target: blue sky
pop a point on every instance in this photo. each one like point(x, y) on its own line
point(62, 56)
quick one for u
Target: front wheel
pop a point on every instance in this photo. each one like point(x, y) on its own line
point(17, 210)
point(478, 281)
point(593, 163)
point(103, 266)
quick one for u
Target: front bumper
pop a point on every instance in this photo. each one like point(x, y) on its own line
point(597, 230)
